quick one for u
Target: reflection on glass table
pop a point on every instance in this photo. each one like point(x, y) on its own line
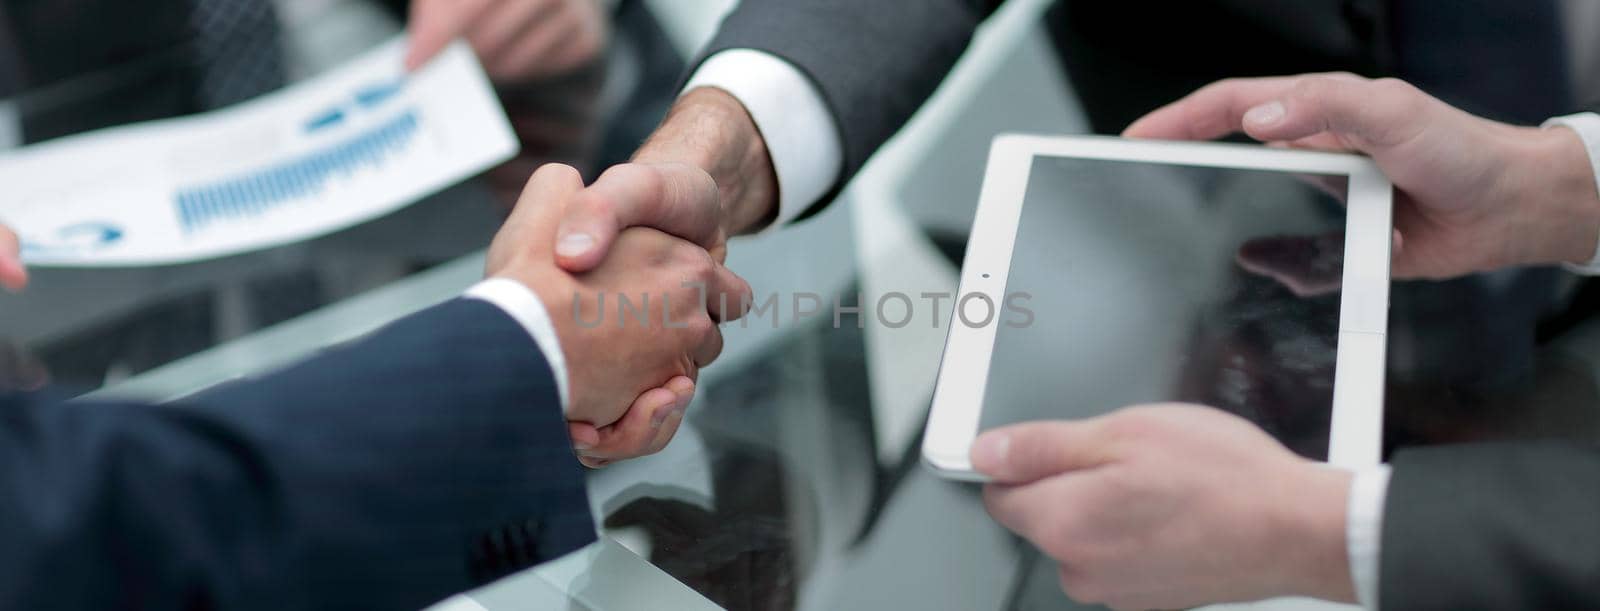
point(1149, 283)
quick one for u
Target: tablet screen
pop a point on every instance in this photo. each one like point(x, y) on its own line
point(1135, 282)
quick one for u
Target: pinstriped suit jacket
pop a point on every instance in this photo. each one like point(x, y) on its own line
point(387, 473)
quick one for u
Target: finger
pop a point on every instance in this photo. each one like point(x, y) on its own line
point(669, 428)
point(1322, 142)
point(535, 50)
point(709, 347)
point(675, 198)
point(1405, 261)
point(728, 297)
point(542, 199)
point(434, 23)
point(683, 388)
point(584, 435)
point(633, 435)
point(1026, 452)
point(1218, 109)
point(1211, 112)
point(1368, 115)
point(13, 276)
point(1035, 510)
point(503, 24)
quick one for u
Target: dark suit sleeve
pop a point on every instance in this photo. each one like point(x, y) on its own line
point(388, 473)
point(1492, 527)
point(874, 62)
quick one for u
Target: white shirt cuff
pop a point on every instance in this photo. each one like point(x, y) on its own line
point(1363, 531)
point(800, 134)
point(1587, 125)
point(522, 305)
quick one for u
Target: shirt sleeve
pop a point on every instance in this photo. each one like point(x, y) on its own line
point(1587, 125)
point(801, 135)
point(522, 305)
point(1364, 531)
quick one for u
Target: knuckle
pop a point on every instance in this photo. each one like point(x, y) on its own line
point(696, 260)
point(1390, 86)
point(702, 329)
point(1228, 84)
point(687, 367)
point(642, 177)
point(1400, 95)
point(1310, 89)
point(600, 207)
point(616, 173)
point(1130, 424)
point(1056, 538)
point(1117, 486)
point(715, 350)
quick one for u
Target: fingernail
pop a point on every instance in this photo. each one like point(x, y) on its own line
point(574, 244)
point(581, 446)
point(1265, 114)
point(989, 451)
point(661, 417)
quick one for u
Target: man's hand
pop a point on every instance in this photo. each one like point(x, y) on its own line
point(703, 176)
point(517, 40)
point(646, 355)
point(13, 276)
point(1170, 507)
point(1473, 195)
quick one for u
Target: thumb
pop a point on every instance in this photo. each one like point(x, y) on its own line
point(532, 220)
point(1027, 452)
point(1371, 115)
point(674, 198)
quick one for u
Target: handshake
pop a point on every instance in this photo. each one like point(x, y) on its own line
point(630, 271)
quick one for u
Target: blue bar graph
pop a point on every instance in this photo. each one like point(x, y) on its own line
point(258, 192)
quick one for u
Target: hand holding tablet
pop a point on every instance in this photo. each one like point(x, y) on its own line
point(1129, 253)
point(1472, 194)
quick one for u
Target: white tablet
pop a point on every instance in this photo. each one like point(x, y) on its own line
point(1103, 272)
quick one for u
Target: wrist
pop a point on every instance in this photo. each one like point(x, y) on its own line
point(1311, 526)
point(557, 293)
point(711, 129)
point(1559, 192)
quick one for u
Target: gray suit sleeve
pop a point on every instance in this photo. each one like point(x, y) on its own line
point(1492, 526)
point(873, 61)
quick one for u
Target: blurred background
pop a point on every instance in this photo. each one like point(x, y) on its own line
point(796, 484)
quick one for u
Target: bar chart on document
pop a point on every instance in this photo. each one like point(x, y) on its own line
point(334, 151)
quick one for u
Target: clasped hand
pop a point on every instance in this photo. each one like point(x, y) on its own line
point(631, 369)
